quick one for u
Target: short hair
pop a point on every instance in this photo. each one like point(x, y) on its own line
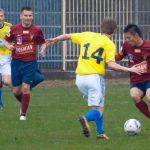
point(2, 10)
point(133, 29)
point(108, 26)
point(26, 8)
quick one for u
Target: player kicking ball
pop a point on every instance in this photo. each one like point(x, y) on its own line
point(95, 50)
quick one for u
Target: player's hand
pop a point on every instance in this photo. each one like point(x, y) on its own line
point(136, 70)
point(42, 49)
point(50, 42)
point(9, 46)
point(42, 53)
point(142, 66)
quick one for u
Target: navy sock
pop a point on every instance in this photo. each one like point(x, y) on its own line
point(97, 117)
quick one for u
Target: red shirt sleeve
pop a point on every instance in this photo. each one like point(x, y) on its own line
point(118, 57)
point(121, 54)
point(40, 37)
point(10, 37)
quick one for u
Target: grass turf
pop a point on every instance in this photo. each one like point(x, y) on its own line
point(52, 121)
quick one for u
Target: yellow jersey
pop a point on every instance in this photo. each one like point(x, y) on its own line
point(95, 50)
point(3, 32)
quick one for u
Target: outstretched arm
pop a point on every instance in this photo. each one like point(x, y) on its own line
point(52, 41)
point(117, 67)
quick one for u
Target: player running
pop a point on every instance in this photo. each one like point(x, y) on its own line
point(95, 50)
point(5, 55)
point(137, 52)
point(25, 36)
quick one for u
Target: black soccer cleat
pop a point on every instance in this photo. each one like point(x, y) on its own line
point(85, 126)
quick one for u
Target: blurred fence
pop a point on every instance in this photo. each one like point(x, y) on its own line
point(65, 16)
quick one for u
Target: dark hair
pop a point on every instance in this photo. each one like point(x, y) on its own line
point(133, 29)
point(108, 26)
point(26, 8)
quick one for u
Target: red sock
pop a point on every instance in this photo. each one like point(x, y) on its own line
point(25, 103)
point(143, 107)
point(19, 97)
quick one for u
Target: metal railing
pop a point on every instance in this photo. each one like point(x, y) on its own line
point(66, 16)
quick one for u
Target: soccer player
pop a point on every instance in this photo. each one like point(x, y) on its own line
point(25, 37)
point(95, 50)
point(137, 52)
point(5, 54)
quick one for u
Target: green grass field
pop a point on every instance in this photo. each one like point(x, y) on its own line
point(52, 122)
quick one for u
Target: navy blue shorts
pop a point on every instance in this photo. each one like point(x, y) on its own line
point(22, 72)
point(143, 86)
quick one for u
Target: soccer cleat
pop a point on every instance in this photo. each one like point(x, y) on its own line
point(102, 136)
point(23, 118)
point(85, 126)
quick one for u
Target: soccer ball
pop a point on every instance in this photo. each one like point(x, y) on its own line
point(132, 127)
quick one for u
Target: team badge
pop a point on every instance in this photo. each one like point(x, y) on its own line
point(19, 40)
point(130, 57)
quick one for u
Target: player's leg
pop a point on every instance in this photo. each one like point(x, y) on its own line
point(38, 78)
point(18, 93)
point(148, 95)
point(1, 101)
point(137, 93)
point(25, 100)
point(81, 84)
point(96, 89)
point(6, 74)
point(17, 68)
point(96, 101)
point(16, 79)
point(148, 91)
point(28, 72)
point(82, 88)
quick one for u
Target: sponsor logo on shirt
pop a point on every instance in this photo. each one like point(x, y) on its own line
point(24, 49)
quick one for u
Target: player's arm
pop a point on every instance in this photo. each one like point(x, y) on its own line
point(6, 44)
point(119, 55)
point(114, 66)
point(42, 49)
point(52, 41)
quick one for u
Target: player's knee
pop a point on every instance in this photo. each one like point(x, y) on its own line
point(148, 98)
point(135, 96)
point(7, 83)
point(25, 88)
point(99, 108)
